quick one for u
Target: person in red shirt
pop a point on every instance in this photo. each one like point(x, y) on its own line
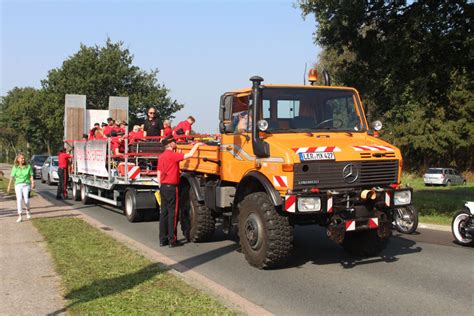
point(109, 127)
point(63, 165)
point(168, 177)
point(183, 128)
point(167, 130)
point(136, 134)
point(92, 130)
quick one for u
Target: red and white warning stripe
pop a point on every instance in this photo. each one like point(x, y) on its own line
point(350, 225)
point(373, 222)
point(134, 173)
point(321, 149)
point(290, 203)
point(372, 148)
point(280, 181)
point(329, 208)
point(387, 199)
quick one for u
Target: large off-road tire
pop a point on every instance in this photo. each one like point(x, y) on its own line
point(197, 222)
point(84, 198)
point(130, 206)
point(405, 219)
point(266, 237)
point(76, 192)
point(458, 225)
point(364, 243)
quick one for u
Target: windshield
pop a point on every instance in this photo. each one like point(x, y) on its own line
point(39, 159)
point(435, 171)
point(55, 162)
point(303, 109)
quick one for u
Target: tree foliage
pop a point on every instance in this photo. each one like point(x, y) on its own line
point(412, 64)
point(33, 119)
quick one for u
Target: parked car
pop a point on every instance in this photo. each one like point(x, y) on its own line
point(49, 170)
point(37, 162)
point(443, 176)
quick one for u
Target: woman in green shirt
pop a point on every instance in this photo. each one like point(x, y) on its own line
point(24, 181)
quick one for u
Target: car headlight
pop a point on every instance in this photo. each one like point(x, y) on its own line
point(55, 173)
point(402, 197)
point(309, 204)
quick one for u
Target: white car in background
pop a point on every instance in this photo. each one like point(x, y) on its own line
point(443, 176)
point(49, 170)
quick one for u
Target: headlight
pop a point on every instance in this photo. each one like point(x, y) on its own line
point(55, 174)
point(309, 204)
point(262, 125)
point(402, 197)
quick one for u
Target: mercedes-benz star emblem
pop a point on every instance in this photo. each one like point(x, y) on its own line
point(350, 173)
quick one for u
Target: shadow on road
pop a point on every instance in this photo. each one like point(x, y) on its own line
point(312, 245)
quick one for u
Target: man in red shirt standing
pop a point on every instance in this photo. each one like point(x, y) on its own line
point(63, 162)
point(183, 128)
point(168, 177)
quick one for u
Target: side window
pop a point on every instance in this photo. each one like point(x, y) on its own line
point(266, 109)
point(288, 109)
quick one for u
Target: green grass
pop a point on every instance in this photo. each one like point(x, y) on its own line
point(4, 186)
point(101, 276)
point(437, 205)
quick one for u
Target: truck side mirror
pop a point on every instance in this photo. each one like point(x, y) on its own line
point(225, 108)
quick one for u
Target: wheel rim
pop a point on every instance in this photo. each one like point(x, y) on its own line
point(128, 205)
point(83, 192)
point(253, 231)
point(404, 219)
point(459, 225)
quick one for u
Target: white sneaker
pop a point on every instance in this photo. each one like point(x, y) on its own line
point(19, 219)
point(28, 215)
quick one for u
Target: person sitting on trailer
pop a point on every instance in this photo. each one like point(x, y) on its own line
point(108, 128)
point(136, 134)
point(123, 127)
point(183, 128)
point(152, 125)
point(92, 130)
point(116, 143)
point(167, 130)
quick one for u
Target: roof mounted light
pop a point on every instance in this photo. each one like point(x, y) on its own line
point(312, 76)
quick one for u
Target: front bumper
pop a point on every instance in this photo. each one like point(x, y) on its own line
point(433, 181)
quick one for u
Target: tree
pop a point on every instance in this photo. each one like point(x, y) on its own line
point(409, 61)
point(100, 72)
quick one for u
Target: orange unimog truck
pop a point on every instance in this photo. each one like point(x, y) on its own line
point(293, 155)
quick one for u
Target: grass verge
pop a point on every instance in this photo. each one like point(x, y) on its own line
point(102, 276)
point(4, 186)
point(437, 205)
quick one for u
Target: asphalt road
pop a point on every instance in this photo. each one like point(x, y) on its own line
point(424, 273)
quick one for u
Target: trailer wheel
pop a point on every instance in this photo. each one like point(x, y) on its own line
point(130, 206)
point(266, 237)
point(364, 243)
point(76, 191)
point(84, 198)
point(197, 222)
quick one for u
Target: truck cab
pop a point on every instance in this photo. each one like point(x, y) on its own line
point(296, 155)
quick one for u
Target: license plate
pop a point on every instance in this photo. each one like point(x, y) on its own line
point(317, 156)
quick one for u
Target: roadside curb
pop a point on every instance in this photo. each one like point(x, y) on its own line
point(445, 228)
point(227, 297)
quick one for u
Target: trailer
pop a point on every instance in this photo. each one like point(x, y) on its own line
point(127, 180)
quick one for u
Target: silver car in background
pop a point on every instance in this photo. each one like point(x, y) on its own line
point(49, 171)
point(443, 176)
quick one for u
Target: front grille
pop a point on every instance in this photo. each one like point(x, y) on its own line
point(329, 174)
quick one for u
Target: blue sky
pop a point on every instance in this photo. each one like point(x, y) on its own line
point(201, 48)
